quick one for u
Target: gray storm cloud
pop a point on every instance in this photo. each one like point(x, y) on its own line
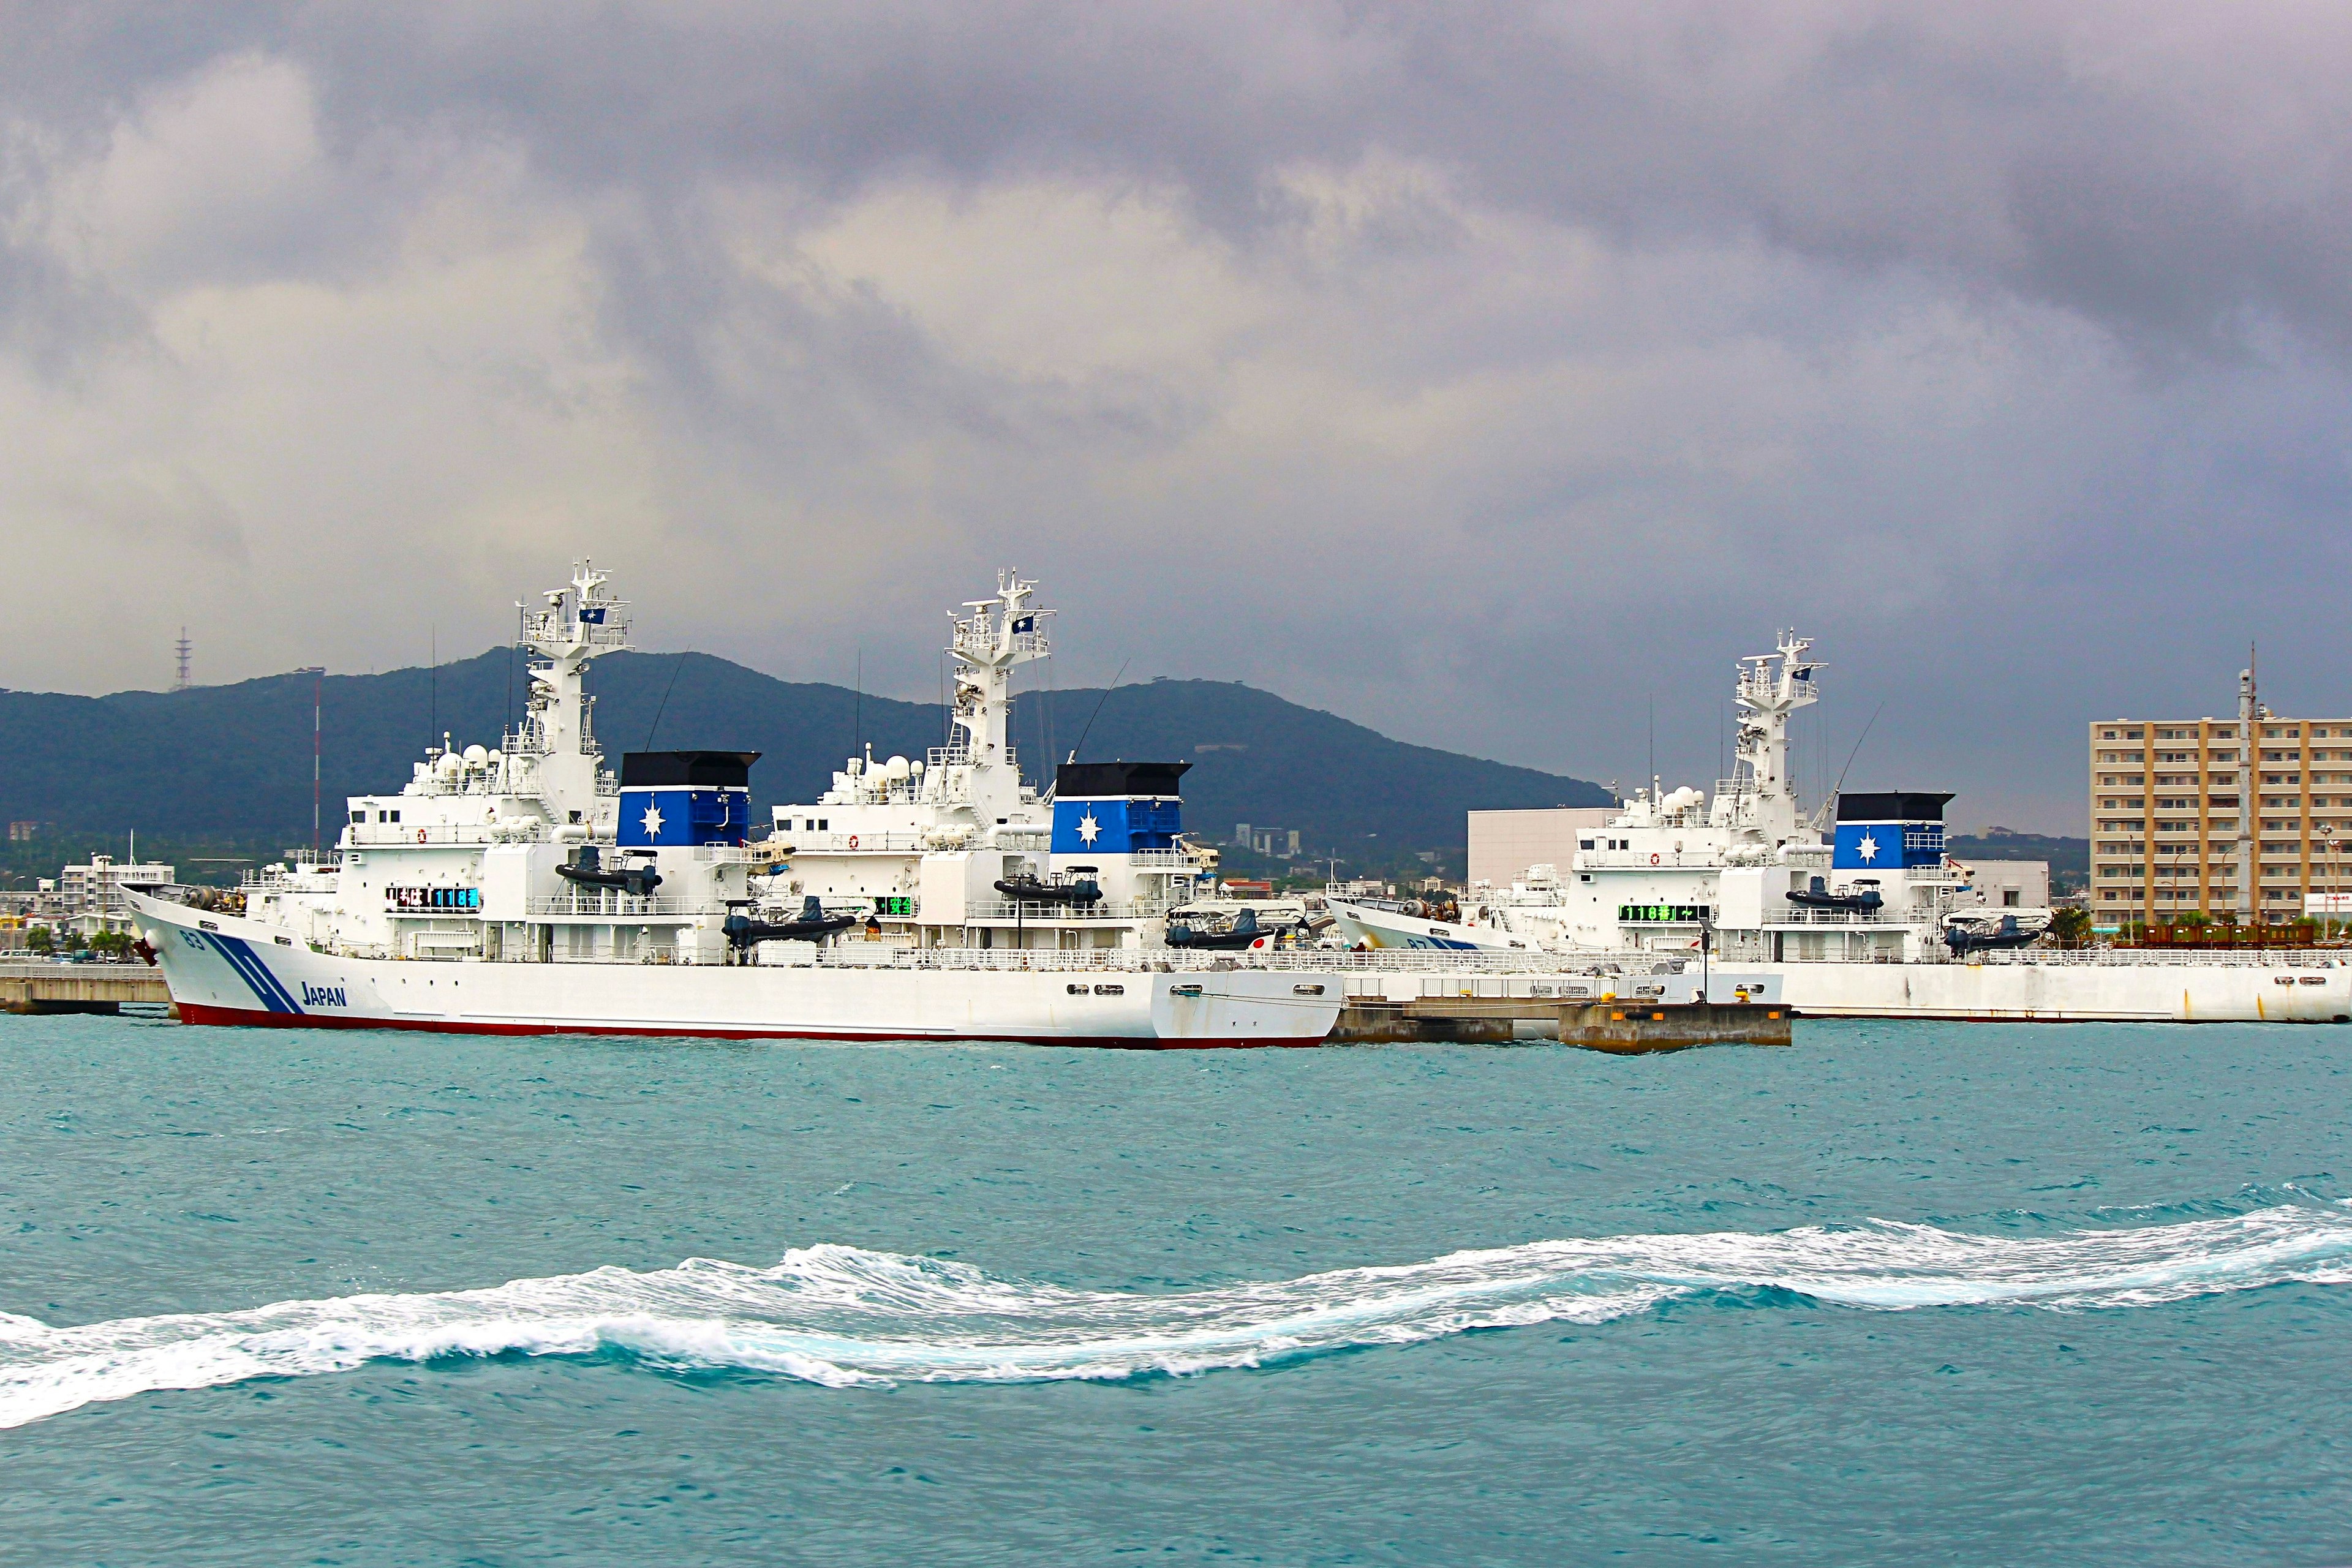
point(1483, 372)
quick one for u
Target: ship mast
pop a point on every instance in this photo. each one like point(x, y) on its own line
point(578, 624)
point(1770, 686)
point(998, 636)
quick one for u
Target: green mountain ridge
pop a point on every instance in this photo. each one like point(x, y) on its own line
point(231, 765)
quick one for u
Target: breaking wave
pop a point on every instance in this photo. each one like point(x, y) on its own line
point(842, 1316)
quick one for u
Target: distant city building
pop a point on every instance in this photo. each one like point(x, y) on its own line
point(22, 832)
point(1277, 843)
point(1504, 844)
point(2248, 819)
point(90, 897)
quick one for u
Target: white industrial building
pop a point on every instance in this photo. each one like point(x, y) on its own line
point(2006, 884)
point(1504, 844)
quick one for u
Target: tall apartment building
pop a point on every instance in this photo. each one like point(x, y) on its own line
point(2247, 820)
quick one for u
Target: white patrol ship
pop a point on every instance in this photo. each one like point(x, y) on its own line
point(529, 890)
point(1744, 865)
point(1863, 919)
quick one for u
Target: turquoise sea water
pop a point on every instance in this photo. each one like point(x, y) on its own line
point(1901, 1293)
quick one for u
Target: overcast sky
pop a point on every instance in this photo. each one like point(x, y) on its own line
point(1483, 372)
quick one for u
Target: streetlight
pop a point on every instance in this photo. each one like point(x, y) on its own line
point(2328, 847)
point(2176, 848)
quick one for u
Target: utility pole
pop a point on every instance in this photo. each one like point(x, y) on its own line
point(2249, 712)
point(317, 674)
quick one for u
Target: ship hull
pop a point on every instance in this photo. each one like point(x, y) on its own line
point(222, 970)
point(2056, 991)
point(2048, 989)
point(1378, 928)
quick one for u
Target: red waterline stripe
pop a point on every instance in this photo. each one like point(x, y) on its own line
point(247, 1017)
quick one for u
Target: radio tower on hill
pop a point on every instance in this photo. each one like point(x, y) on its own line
point(183, 647)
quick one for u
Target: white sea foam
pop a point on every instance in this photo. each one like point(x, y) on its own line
point(841, 1316)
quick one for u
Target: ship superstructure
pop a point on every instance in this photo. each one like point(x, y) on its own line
point(956, 850)
point(468, 858)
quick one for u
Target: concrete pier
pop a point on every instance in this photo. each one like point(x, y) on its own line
point(1631, 1029)
point(31, 987)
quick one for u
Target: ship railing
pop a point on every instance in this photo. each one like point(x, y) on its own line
point(981, 645)
point(2175, 958)
point(938, 757)
point(411, 835)
point(1648, 860)
point(559, 627)
point(1621, 972)
point(831, 843)
point(1797, 915)
point(303, 874)
point(1039, 913)
point(733, 854)
point(611, 904)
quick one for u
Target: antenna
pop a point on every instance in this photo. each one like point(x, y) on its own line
point(1047, 713)
point(1850, 756)
point(433, 685)
point(1098, 708)
point(317, 674)
point(182, 648)
point(318, 705)
point(511, 649)
point(664, 701)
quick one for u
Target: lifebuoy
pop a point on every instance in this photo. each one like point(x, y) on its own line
point(1653, 858)
point(853, 841)
point(420, 836)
